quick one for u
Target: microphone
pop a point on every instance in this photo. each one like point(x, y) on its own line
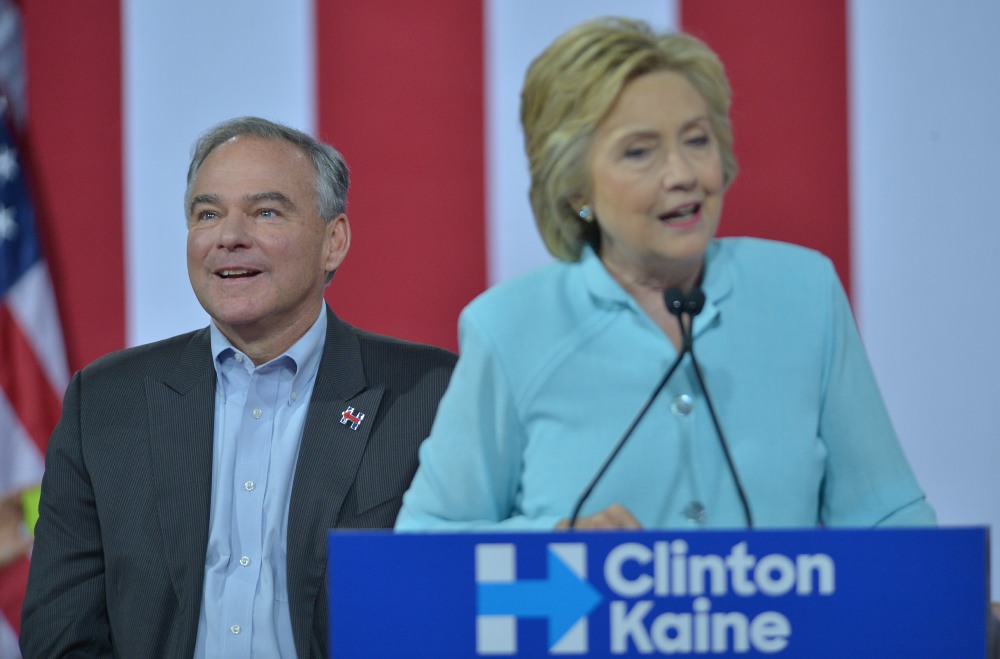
point(678, 304)
point(675, 300)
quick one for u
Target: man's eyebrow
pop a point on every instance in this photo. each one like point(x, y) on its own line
point(274, 195)
point(202, 199)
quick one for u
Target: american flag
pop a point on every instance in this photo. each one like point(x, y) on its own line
point(33, 371)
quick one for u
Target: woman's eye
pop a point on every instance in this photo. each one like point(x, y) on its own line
point(699, 140)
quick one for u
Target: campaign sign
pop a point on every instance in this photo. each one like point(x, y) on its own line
point(815, 593)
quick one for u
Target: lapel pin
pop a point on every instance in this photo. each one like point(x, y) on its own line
point(348, 416)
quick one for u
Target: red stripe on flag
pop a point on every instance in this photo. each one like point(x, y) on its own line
point(13, 584)
point(400, 92)
point(25, 384)
point(787, 62)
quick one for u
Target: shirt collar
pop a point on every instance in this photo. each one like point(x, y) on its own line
point(717, 282)
point(302, 357)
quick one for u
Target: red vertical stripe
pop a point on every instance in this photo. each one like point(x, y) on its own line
point(73, 57)
point(787, 62)
point(400, 93)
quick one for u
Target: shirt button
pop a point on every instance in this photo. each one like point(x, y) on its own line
point(245, 561)
point(257, 413)
point(239, 358)
point(695, 511)
point(248, 486)
point(235, 629)
point(294, 395)
point(682, 405)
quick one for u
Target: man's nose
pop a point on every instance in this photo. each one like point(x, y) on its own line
point(235, 231)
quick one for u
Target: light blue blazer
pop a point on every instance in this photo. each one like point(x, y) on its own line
point(555, 364)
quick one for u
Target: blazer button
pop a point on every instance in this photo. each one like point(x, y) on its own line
point(695, 511)
point(682, 405)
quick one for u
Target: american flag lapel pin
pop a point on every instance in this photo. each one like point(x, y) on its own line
point(351, 417)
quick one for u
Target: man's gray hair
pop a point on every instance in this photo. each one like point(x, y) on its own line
point(332, 178)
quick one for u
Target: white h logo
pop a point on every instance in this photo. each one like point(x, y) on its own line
point(564, 598)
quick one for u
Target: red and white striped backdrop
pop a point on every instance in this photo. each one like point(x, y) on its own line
point(864, 129)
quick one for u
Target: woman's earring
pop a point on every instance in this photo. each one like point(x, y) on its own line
point(586, 213)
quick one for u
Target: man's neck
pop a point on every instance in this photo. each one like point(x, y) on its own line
point(268, 345)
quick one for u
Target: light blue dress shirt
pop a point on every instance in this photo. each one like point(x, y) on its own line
point(260, 413)
point(554, 365)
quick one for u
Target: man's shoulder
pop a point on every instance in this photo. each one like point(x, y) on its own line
point(149, 357)
point(404, 366)
point(411, 353)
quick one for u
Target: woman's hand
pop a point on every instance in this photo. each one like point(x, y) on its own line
point(614, 516)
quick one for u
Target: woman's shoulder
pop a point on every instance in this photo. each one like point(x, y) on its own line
point(533, 321)
point(772, 262)
point(762, 250)
point(546, 293)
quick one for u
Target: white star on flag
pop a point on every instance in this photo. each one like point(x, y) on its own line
point(8, 164)
point(8, 226)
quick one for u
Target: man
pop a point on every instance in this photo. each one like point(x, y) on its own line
point(190, 482)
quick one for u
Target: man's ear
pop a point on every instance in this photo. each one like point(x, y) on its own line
point(338, 241)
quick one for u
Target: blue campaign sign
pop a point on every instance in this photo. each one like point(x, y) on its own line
point(815, 593)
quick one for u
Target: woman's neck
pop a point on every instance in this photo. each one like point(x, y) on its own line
point(647, 290)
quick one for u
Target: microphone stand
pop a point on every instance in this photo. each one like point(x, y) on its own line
point(625, 435)
point(692, 306)
point(678, 305)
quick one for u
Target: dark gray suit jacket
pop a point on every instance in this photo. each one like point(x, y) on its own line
point(120, 544)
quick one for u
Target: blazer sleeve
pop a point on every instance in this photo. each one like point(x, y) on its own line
point(64, 612)
point(470, 466)
point(868, 480)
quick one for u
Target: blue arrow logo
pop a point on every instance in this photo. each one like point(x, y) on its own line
point(563, 598)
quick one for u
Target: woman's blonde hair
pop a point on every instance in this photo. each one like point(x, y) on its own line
point(573, 85)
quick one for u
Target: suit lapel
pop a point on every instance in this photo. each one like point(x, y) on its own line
point(181, 416)
point(328, 460)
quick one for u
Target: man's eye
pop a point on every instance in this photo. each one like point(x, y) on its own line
point(267, 212)
point(207, 215)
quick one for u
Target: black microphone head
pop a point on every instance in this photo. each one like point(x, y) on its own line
point(694, 302)
point(675, 301)
point(678, 303)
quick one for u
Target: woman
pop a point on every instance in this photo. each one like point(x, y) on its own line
point(630, 148)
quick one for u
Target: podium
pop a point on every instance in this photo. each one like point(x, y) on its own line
point(813, 593)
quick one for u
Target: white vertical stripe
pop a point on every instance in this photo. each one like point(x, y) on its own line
point(8, 641)
point(32, 302)
point(22, 462)
point(926, 229)
point(516, 31)
point(189, 64)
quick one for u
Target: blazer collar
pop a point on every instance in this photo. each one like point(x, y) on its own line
point(329, 457)
point(717, 283)
point(181, 411)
